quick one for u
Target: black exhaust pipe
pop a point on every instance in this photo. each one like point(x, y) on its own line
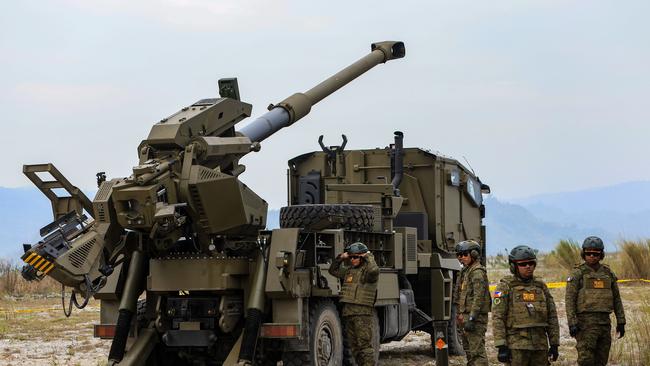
point(397, 161)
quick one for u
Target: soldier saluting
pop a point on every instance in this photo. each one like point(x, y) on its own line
point(523, 314)
point(591, 296)
point(472, 302)
point(358, 294)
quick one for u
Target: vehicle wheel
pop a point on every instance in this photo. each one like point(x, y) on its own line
point(325, 338)
point(348, 358)
point(319, 217)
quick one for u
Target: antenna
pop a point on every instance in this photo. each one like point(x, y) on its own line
point(470, 165)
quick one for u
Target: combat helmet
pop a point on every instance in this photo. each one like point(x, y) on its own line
point(520, 253)
point(469, 246)
point(593, 244)
point(357, 248)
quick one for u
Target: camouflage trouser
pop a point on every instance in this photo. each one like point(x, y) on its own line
point(593, 342)
point(359, 330)
point(525, 357)
point(474, 342)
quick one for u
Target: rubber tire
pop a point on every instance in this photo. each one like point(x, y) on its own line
point(141, 314)
point(324, 321)
point(348, 358)
point(352, 217)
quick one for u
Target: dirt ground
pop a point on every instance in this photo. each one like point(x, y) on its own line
point(36, 332)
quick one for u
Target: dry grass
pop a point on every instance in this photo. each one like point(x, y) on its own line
point(634, 258)
point(12, 283)
point(9, 276)
point(635, 350)
point(565, 255)
point(497, 261)
point(34, 331)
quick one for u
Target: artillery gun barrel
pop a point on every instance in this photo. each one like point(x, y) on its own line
point(298, 105)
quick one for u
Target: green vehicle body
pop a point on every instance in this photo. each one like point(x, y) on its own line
point(186, 273)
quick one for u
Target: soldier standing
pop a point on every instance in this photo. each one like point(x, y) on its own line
point(472, 302)
point(358, 297)
point(524, 316)
point(591, 296)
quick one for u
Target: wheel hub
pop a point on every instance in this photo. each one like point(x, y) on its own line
point(325, 342)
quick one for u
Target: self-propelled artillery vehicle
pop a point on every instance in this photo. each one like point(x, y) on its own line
point(186, 273)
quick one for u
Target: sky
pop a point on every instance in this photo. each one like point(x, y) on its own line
point(538, 96)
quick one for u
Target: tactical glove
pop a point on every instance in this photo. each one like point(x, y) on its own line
point(504, 354)
point(470, 325)
point(620, 329)
point(553, 353)
point(573, 330)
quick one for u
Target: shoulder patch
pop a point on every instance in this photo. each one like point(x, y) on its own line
point(497, 301)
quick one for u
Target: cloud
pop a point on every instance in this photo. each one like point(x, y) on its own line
point(209, 15)
point(65, 96)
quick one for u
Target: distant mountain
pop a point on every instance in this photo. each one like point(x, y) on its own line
point(627, 197)
point(614, 212)
point(621, 210)
point(509, 225)
point(24, 211)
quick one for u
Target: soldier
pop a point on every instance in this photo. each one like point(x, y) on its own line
point(472, 302)
point(524, 316)
point(358, 294)
point(591, 296)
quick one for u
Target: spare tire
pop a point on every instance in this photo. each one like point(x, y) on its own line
point(319, 217)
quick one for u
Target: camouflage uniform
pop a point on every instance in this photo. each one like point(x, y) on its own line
point(525, 320)
point(358, 294)
point(591, 296)
point(473, 300)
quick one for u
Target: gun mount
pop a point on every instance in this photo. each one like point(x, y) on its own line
point(181, 227)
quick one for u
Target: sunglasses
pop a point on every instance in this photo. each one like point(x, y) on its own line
point(462, 254)
point(527, 264)
point(356, 256)
point(593, 254)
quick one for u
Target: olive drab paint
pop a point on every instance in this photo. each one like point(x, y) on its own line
point(184, 229)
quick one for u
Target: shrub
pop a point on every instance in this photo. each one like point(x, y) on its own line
point(9, 277)
point(12, 283)
point(635, 259)
point(566, 255)
point(498, 261)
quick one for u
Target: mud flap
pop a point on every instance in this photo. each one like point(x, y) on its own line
point(440, 343)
